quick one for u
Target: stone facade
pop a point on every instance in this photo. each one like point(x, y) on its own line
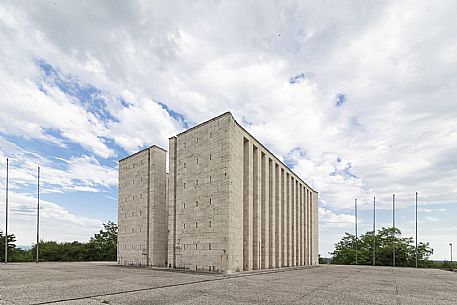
point(142, 211)
point(232, 205)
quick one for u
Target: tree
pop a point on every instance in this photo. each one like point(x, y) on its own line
point(385, 241)
point(11, 246)
point(103, 245)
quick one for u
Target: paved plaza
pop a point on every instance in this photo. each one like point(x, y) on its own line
point(103, 283)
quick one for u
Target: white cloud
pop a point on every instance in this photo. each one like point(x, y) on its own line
point(75, 174)
point(393, 61)
point(328, 218)
point(432, 219)
point(56, 223)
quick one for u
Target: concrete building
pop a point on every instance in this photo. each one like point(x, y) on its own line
point(229, 204)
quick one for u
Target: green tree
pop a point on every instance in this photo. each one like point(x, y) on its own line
point(385, 241)
point(103, 246)
point(11, 246)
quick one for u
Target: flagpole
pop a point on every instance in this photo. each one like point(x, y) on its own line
point(374, 231)
point(38, 217)
point(6, 214)
point(356, 236)
point(416, 229)
point(393, 221)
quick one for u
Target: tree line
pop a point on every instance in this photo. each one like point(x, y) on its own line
point(101, 247)
point(384, 243)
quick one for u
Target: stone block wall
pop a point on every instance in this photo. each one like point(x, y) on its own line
point(142, 237)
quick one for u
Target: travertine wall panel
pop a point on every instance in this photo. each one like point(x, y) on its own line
point(142, 237)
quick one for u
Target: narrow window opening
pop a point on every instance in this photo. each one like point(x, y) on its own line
point(196, 225)
point(196, 203)
point(209, 246)
point(184, 206)
point(209, 179)
point(210, 201)
point(210, 156)
point(210, 224)
point(184, 164)
point(196, 247)
point(184, 226)
point(184, 185)
point(196, 182)
point(197, 140)
point(197, 160)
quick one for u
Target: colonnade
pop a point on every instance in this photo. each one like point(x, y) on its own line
point(277, 213)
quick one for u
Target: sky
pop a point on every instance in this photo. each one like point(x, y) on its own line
point(358, 98)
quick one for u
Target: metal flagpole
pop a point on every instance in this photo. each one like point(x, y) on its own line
point(450, 245)
point(356, 236)
point(416, 229)
point(38, 218)
point(6, 214)
point(393, 221)
point(374, 231)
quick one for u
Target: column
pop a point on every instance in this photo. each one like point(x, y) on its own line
point(283, 219)
point(306, 228)
point(292, 222)
point(272, 214)
point(172, 202)
point(311, 231)
point(256, 208)
point(315, 229)
point(247, 206)
point(278, 216)
point(265, 264)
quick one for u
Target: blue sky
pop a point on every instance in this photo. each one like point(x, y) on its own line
point(359, 100)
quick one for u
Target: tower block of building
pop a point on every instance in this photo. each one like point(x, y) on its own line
point(230, 205)
point(142, 210)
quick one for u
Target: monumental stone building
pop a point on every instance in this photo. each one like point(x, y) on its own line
point(226, 205)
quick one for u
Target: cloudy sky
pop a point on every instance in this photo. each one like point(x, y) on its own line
point(359, 98)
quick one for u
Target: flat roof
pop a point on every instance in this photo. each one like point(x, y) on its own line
point(201, 124)
point(143, 150)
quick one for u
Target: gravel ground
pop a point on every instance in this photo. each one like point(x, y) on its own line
point(104, 283)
